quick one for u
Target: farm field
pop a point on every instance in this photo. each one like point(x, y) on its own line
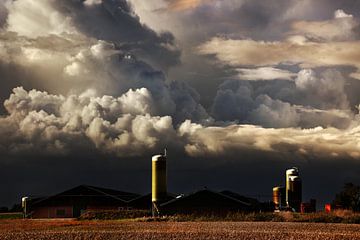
point(73, 229)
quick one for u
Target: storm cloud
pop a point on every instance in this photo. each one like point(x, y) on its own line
point(230, 85)
point(54, 124)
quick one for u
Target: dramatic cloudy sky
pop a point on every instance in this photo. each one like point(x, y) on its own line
point(237, 90)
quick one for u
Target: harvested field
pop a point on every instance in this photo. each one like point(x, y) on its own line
point(72, 229)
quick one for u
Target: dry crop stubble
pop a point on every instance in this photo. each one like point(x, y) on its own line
point(72, 229)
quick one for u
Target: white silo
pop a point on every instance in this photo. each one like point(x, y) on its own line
point(293, 188)
point(24, 205)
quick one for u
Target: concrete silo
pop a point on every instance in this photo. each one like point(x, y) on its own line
point(24, 205)
point(159, 182)
point(293, 189)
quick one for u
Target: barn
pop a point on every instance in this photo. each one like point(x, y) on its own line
point(145, 202)
point(205, 201)
point(73, 202)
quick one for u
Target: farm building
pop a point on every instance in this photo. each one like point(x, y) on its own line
point(144, 202)
point(73, 202)
point(205, 201)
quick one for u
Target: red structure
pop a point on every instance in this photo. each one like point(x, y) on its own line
point(328, 207)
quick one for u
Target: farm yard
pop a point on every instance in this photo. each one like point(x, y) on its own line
point(74, 229)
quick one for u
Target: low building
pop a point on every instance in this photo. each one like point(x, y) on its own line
point(73, 202)
point(205, 201)
point(254, 203)
point(144, 202)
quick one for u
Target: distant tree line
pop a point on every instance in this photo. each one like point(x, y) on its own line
point(14, 208)
point(348, 198)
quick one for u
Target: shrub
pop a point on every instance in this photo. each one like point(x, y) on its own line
point(114, 214)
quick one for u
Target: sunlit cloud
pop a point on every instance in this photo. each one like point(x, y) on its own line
point(181, 5)
point(342, 28)
point(319, 142)
point(259, 53)
point(264, 73)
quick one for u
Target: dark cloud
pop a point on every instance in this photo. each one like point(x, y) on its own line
point(234, 101)
point(77, 63)
point(258, 20)
point(3, 15)
point(115, 21)
point(92, 92)
point(325, 91)
point(309, 101)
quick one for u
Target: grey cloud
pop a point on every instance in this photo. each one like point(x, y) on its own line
point(273, 113)
point(281, 104)
point(187, 103)
point(211, 18)
point(320, 10)
point(77, 63)
point(66, 48)
point(271, 21)
point(58, 125)
point(116, 22)
point(233, 101)
point(261, 20)
point(343, 27)
point(292, 51)
point(309, 44)
point(324, 91)
point(3, 15)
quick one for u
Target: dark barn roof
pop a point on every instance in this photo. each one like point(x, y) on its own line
point(86, 195)
point(252, 201)
point(144, 202)
point(205, 201)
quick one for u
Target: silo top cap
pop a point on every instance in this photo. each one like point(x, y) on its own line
point(158, 158)
point(294, 178)
point(292, 171)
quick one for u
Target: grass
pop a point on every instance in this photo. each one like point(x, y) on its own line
point(339, 216)
point(114, 215)
point(16, 215)
point(230, 217)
